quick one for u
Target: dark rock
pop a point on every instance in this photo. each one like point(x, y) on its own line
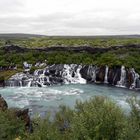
point(24, 115)
point(13, 48)
point(84, 73)
point(114, 75)
point(3, 104)
point(100, 74)
point(2, 82)
point(129, 78)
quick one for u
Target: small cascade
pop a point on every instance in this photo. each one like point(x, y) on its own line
point(29, 84)
point(121, 83)
point(78, 76)
point(71, 74)
point(106, 75)
point(92, 72)
point(135, 77)
point(20, 82)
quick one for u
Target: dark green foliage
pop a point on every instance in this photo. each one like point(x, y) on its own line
point(10, 126)
point(96, 119)
point(127, 57)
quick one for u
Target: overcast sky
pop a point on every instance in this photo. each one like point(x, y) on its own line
point(70, 17)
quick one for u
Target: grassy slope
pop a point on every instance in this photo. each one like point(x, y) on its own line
point(32, 41)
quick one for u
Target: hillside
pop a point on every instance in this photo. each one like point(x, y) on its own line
point(18, 36)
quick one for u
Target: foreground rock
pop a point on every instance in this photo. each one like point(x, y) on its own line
point(3, 104)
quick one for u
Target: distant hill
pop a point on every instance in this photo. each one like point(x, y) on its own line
point(19, 36)
point(99, 36)
point(22, 36)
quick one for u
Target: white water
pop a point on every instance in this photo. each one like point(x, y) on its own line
point(135, 77)
point(106, 75)
point(92, 72)
point(121, 83)
point(72, 75)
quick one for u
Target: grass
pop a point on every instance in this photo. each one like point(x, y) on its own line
point(8, 73)
point(65, 42)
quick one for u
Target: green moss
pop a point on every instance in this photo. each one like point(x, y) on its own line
point(8, 73)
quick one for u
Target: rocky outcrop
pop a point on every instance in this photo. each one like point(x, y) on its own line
point(3, 104)
point(88, 49)
point(23, 115)
point(73, 73)
point(2, 82)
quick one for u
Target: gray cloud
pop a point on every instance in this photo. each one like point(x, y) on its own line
point(19, 17)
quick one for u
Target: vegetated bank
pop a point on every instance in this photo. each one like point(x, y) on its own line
point(12, 57)
point(99, 118)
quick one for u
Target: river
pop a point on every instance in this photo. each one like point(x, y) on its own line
point(44, 99)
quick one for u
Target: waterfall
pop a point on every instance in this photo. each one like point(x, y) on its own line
point(71, 74)
point(29, 83)
point(135, 77)
point(74, 73)
point(78, 76)
point(92, 72)
point(106, 75)
point(20, 82)
point(121, 83)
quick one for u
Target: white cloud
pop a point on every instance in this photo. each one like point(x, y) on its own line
point(70, 17)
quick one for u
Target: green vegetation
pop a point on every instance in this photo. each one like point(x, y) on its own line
point(128, 57)
point(36, 42)
point(8, 73)
point(96, 119)
point(10, 126)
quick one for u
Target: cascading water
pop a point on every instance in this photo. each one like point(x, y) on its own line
point(92, 72)
point(106, 75)
point(121, 83)
point(135, 77)
point(73, 74)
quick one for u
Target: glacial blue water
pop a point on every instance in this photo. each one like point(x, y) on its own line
point(42, 100)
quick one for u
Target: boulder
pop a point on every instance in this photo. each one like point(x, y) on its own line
point(3, 104)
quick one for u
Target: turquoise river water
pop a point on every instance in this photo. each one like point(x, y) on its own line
point(42, 100)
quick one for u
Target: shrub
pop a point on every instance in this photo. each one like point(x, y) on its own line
point(10, 126)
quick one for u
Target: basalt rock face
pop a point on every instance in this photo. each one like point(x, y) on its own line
point(87, 48)
point(73, 73)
